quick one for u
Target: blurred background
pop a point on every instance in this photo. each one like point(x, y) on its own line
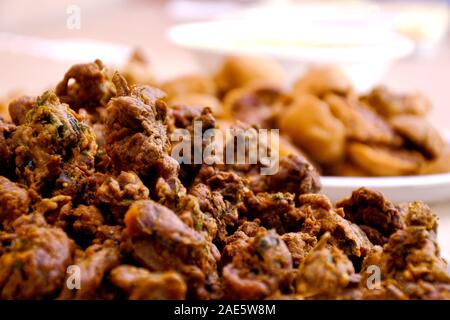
point(403, 44)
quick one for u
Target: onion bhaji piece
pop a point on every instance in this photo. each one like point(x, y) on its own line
point(80, 223)
point(325, 272)
point(119, 192)
point(86, 86)
point(93, 263)
point(14, 201)
point(299, 245)
point(388, 103)
point(253, 104)
point(311, 126)
point(160, 241)
point(361, 123)
point(410, 267)
point(378, 217)
point(275, 211)
point(295, 175)
point(135, 131)
point(385, 161)
point(320, 217)
point(18, 108)
point(419, 214)
point(190, 209)
point(34, 265)
point(237, 72)
point(141, 284)
point(319, 81)
point(259, 269)
point(420, 133)
point(54, 151)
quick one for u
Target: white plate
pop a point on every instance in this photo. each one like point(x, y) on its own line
point(364, 53)
point(428, 188)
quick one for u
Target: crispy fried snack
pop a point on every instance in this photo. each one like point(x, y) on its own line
point(253, 104)
point(90, 196)
point(311, 125)
point(389, 104)
point(420, 133)
point(361, 123)
point(384, 161)
point(237, 72)
point(54, 151)
point(319, 81)
point(90, 88)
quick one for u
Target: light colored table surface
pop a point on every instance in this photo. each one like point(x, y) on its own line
point(143, 24)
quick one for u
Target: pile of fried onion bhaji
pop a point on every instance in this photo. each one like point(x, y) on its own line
point(87, 180)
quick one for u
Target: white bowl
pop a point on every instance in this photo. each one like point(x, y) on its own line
point(363, 53)
point(428, 188)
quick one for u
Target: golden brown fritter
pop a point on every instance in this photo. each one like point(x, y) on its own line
point(385, 161)
point(253, 104)
point(420, 133)
point(135, 132)
point(378, 217)
point(18, 108)
point(361, 123)
point(319, 81)
point(162, 242)
point(259, 269)
point(325, 272)
point(85, 86)
point(54, 150)
point(388, 103)
point(34, 265)
point(237, 72)
point(311, 126)
point(140, 284)
point(93, 264)
point(14, 201)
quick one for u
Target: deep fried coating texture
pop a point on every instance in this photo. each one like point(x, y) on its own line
point(161, 241)
point(420, 133)
point(388, 103)
point(54, 150)
point(119, 192)
point(237, 72)
point(325, 272)
point(311, 126)
point(369, 209)
point(93, 264)
point(322, 80)
point(18, 108)
point(253, 104)
point(34, 266)
point(14, 201)
point(320, 217)
point(384, 161)
point(361, 123)
point(136, 138)
point(91, 86)
point(259, 269)
point(140, 284)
